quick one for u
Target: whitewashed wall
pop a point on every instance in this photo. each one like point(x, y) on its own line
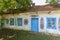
point(52, 15)
point(40, 14)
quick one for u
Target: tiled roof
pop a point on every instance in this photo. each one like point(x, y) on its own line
point(43, 8)
point(38, 8)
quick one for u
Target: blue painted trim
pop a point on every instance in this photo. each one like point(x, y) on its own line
point(34, 24)
point(51, 19)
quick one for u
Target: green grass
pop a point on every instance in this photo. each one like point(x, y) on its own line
point(25, 35)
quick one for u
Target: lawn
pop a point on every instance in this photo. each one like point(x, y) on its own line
point(10, 34)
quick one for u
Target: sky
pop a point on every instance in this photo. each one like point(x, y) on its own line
point(39, 2)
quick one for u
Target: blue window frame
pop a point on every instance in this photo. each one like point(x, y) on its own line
point(11, 21)
point(19, 21)
point(59, 23)
point(51, 23)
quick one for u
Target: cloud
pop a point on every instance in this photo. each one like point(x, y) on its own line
point(39, 2)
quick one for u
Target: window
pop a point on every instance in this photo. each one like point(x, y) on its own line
point(25, 21)
point(51, 23)
point(42, 23)
point(19, 21)
point(11, 21)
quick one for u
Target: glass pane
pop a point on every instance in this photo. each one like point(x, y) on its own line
point(19, 21)
point(11, 21)
point(51, 22)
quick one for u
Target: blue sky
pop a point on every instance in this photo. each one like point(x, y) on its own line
point(39, 2)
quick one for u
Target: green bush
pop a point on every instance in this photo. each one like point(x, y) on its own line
point(2, 21)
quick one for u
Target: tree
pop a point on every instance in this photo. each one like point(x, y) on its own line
point(24, 4)
point(21, 5)
point(52, 2)
point(2, 21)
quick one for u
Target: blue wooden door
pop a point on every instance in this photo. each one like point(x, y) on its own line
point(34, 24)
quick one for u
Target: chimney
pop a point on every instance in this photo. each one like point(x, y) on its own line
point(33, 4)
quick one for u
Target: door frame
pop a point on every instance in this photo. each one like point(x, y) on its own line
point(38, 23)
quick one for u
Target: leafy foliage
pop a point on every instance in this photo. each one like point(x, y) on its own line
point(7, 5)
point(24, 4)
point(2, 21)
point(13, 6)
point(52, 2)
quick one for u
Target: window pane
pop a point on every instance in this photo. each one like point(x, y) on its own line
point(51, 23)
point(19, 21)
point(48, 23)
point(11, 21)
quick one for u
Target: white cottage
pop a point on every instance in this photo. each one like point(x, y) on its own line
point(44, 18)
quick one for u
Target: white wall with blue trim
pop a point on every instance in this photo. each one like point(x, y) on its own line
point(43, 25)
